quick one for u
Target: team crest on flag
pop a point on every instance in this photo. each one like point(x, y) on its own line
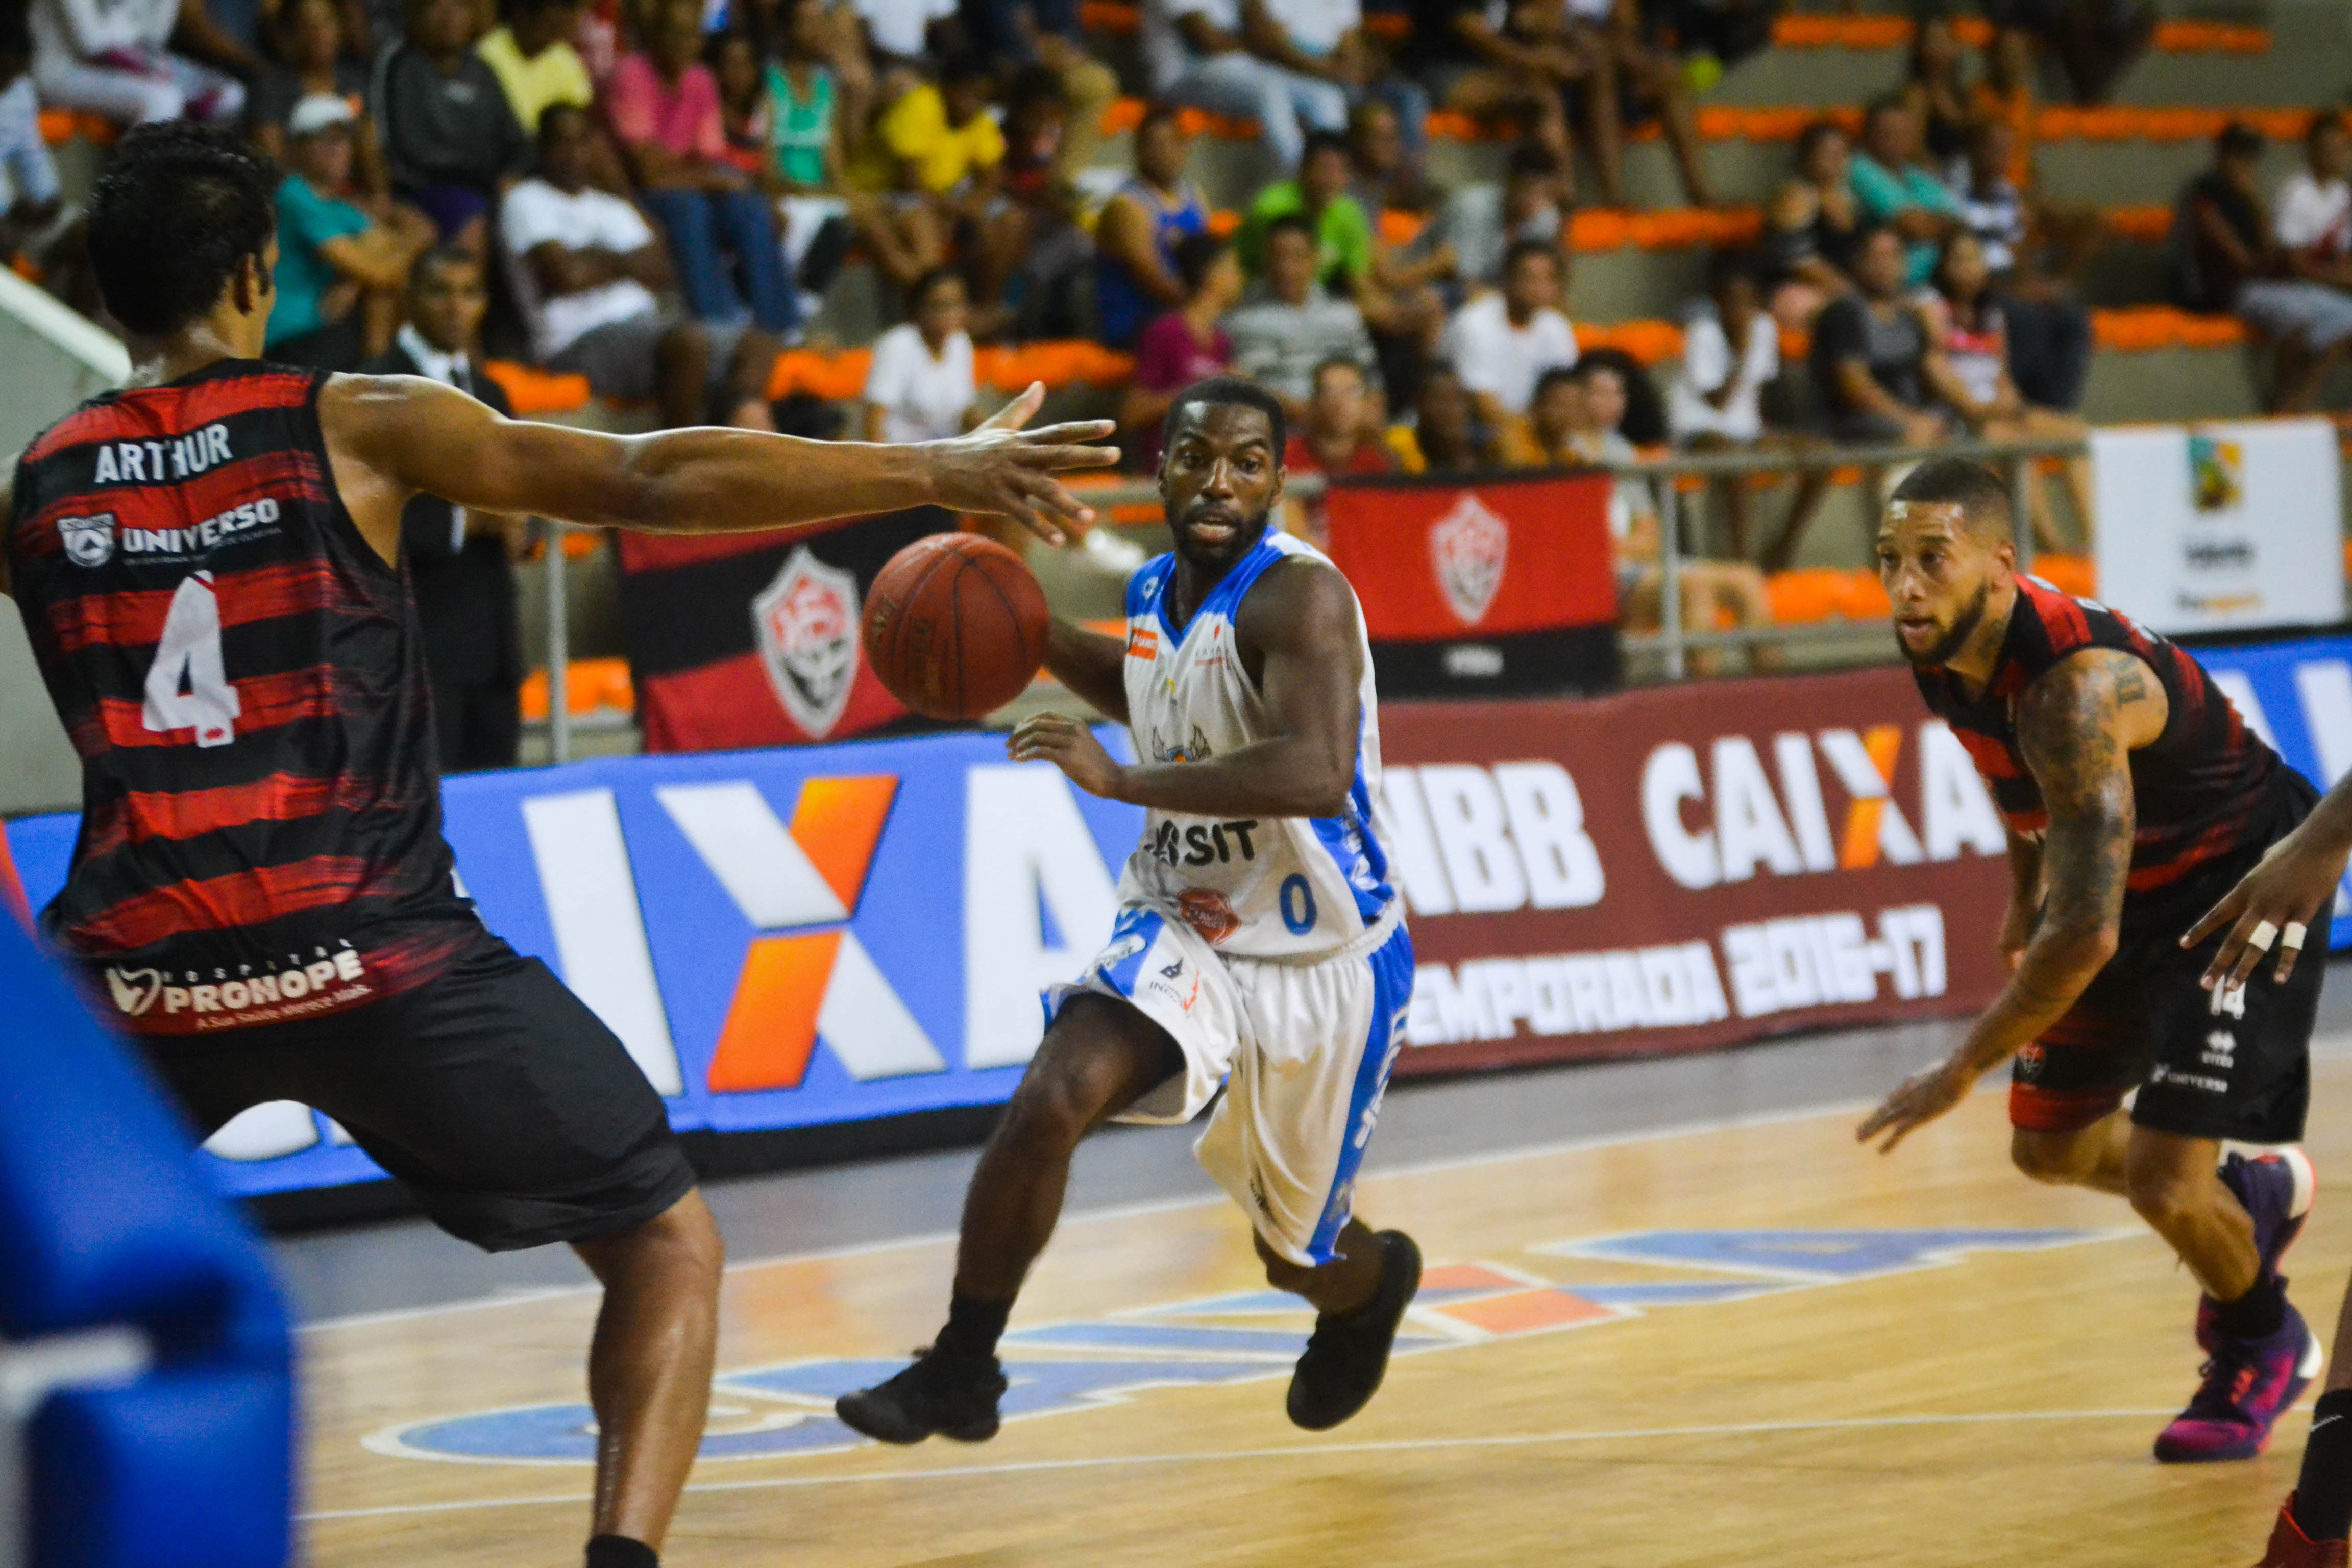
point(88, 540)
point(806, 622)
point(1469, 546)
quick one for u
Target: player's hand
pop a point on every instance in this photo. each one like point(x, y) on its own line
point(1070, 745)
point(998, 469)
point(1916, 1101)
point(2295, 879)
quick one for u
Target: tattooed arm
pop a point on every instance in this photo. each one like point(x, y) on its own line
point(2077, 725)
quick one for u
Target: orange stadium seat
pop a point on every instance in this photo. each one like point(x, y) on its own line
point(2068, 573)
point(1806, 596)
point(534, 392)
point(589, 684)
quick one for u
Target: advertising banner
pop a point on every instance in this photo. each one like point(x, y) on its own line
point(1501, 584)
point(781, 937)
point(2222, 527)
point(1686, 866)
point(736, 640)
point(2298, 697)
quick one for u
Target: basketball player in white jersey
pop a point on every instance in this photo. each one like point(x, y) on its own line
point(1258, 944)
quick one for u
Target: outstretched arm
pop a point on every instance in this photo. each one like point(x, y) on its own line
point(2077, 726)
point(392, 437)
point(2295, 879)
point(1301, 622)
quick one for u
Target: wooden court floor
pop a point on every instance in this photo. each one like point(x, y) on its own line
point(1624, 1359)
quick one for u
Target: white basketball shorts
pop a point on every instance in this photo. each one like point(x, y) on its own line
point(1303, 1051)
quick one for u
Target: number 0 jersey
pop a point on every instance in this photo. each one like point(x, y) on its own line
point(240, 674)
point(1252, 886)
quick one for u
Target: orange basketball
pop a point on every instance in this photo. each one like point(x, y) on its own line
point(955, 625)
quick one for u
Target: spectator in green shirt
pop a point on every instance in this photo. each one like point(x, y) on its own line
point(1343, 235)
point(1894, 188)
point(340, 272)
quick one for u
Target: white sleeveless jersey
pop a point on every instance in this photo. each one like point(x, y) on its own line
point(1253, 885)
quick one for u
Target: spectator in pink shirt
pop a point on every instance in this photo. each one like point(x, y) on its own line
point(666, 114)
point(1183, 346)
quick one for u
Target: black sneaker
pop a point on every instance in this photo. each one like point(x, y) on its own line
point(1349, 1351)
point(951, 1396)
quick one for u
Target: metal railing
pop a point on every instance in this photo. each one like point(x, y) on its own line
point(1672, 642)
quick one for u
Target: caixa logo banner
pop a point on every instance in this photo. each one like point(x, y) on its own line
point(2298, 697)
point(780, 938)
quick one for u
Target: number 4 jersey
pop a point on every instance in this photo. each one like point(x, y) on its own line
point(239, 672)
point(1253, 887)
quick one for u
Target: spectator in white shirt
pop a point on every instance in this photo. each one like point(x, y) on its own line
point(922, 386)
point(1231, 57)
point(586, 265)
point(901, 28)
point(1731, 350)
point(112, 57)
point(2313, 216)
point(1501, 344)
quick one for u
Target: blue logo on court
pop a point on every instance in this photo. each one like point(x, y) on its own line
point(781, 1411)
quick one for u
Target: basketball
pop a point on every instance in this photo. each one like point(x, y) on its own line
point(955, 625)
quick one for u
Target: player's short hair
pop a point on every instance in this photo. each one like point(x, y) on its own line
point(1232, 390)
point(1976, 490)
point(444, 256)
point(178, 209)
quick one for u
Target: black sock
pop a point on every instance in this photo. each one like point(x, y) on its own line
point(2257, 1314)
point(2323, 1497)
point(973, 1327)
point(620, 1552)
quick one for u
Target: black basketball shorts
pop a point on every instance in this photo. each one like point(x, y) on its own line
point(2207, 1064)
point(515, 1114)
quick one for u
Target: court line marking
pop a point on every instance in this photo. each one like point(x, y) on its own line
point(2335, 1044)
point(1298, 1451)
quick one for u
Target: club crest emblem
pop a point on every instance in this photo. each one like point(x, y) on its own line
point(1469, 546)
point(134, 990)
point(1208, 911)
point(806, 622)
point(88, 540)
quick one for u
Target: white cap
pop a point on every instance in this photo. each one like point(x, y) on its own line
point(318, 112)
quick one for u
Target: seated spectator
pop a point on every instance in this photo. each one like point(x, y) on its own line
point(1136, 237)
point(1444, 435)
point(532, 55)
point(664, 107)
point(450, 140)
point(1326, 39)
point(1476, 64)
point(1483, 221)
point(1216, 55)
point(1017, 33)
point(1869, 348)
point(2049, 331)
point(937, 156)
point(1181, 347)
point(2096, 41)
point(1318, 195)
point(1811, 230)
point(113, 58)
point(1968, 368)
point(1031, 262)
point(1501, 344)
point(310, 39)
point(1341, 436)
point(921, 387)
point(2227, 260)
point(2313, 221)
point(735, 67)
point(1384, 162)
point(339, 273)
point(1731, 352)
point(1635, 81)
point(1713, 35)
point(31, 200)
point(1289, 324)
point(1895, 189)
point(1934, 92)
point(1592, 406)
point(903, 33)
point(585, 266)
point(460, 563)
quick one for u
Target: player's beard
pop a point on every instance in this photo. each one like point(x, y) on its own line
point(1952, 641)
point(1247, 531)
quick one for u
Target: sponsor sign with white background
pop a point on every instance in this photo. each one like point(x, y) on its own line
point(2213, 528)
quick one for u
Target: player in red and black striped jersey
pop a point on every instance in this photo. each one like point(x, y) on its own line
point(2134, 798)
point(208, 563)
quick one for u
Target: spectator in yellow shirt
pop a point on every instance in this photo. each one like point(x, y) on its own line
point(535, 61)
point(936, 138)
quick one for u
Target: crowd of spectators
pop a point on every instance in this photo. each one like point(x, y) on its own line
point(657, 194)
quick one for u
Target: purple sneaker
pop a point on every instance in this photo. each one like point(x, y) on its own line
point(2249, 1384)
point(2277, 1190)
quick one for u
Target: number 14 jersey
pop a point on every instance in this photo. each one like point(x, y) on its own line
point(1255, 886)
point(240, 674)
